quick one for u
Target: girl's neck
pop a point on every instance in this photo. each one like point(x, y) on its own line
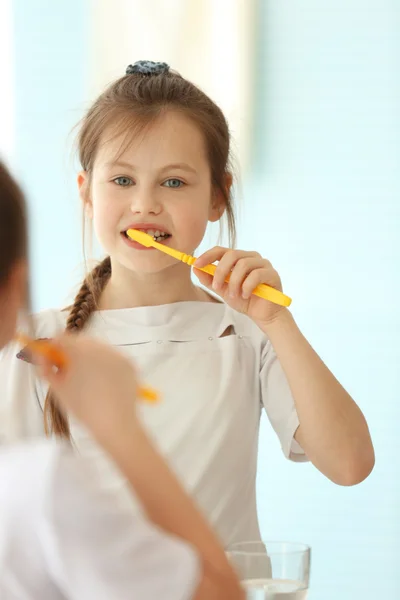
point(127, 289)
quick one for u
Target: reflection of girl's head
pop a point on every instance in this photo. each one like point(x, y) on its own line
point(13, 253)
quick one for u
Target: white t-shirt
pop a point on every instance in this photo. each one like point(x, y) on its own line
point(213, 387)
point(63, 538)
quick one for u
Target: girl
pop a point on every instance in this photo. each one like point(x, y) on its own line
point(60, 537)
point(154, 151)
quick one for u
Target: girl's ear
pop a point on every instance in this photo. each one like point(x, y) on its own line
point(83, 186)
point(218, 202)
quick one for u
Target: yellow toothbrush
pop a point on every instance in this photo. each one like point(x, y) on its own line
point(58, 359)
point(263, 291)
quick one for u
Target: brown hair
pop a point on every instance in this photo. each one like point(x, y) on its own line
point(13, 235)
point(132, 104)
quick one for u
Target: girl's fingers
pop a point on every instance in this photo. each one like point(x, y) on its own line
point(254, 279)
point(204, 278)
point(226, 266)
point(207, 280)
point(211, 256)
point(45, 370)
point(240, 271)
point(245, 270)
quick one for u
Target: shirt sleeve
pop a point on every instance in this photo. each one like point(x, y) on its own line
point(97, 551)
point(278, 402)
point(21, 415)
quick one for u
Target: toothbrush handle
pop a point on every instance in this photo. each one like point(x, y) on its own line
point(263, 291)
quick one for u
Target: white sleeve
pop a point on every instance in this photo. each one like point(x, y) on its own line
point(96, 551)
point(21, 415)
point(279, 404)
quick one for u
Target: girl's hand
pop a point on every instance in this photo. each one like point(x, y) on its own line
point(97, 386)
point(246, 270)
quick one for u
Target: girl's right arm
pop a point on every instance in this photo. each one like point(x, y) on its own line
point(99, 388)
point(168, 506)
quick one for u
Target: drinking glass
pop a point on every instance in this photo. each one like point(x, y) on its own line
point(272, 570)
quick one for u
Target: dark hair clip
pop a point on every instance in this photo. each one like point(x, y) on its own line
point(147, 67)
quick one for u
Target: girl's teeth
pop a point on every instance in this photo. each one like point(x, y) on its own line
point(156, 233)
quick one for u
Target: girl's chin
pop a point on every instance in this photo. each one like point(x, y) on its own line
point(148, 265)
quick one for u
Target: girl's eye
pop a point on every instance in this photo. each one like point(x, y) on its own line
point(123, 181)
point(173, 183)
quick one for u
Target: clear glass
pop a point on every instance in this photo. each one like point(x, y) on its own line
point(272, 570)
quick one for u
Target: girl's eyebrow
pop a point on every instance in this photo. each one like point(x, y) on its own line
point(119, 163)
point(180, 166)
point(126, 165)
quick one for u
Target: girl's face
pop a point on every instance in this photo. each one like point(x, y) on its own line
point(160, 183)
point(12, 299)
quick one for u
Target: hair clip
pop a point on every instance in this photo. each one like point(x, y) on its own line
point(147, 67)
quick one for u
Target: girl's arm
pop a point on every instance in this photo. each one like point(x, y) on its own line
point(169, 507)
point(333, 431)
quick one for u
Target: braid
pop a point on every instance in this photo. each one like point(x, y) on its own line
point(84, 305)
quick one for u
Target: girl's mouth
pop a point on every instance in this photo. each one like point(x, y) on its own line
point(158, 236)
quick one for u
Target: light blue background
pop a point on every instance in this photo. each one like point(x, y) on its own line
point(51, 61)
point(322, 202)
